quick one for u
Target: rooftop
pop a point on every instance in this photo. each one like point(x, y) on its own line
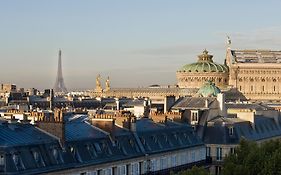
point(256, 56)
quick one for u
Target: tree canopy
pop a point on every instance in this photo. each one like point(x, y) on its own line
point(253, 159)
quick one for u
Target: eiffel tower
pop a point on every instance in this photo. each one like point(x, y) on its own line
point(59, 84)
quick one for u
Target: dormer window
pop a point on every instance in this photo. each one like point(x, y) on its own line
point(91, 150)
point(17, 161)
point(194, 116)
point(75, 154)
point(56, 155)
point(230, 131)
point(38, 159)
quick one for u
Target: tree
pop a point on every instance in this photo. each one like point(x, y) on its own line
point(193, 171)
point(253, 159)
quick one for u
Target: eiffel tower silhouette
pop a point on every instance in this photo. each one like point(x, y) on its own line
point(59, 84)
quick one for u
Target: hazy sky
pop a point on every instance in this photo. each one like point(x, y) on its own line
point(135, 42)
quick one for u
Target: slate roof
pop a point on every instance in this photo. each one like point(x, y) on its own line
point(15, 134)
point(160, 137)
point(86, 144)
point(217, 130)
point(253, 106)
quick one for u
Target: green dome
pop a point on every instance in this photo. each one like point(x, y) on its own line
point(204, 64)
point(209, 89)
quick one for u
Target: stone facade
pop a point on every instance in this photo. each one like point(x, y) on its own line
point(255, 73)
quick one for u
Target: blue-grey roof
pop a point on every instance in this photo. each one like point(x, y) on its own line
point(217, 130)
point(160, 137)
point(15, 134)
point(79, 129)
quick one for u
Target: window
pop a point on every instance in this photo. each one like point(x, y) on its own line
point(108, 171)
point(252, 88)
point(218, 170)
point(219, 153)
point(135, 168)
point(153, 165)
point(17, 161)
point(121, 170)
point(193, 156)
point(194, 116)
point(56, 155)
point(97, 147)
point(91, 150)
point(274, 89)
point(208, 151)
point(174, 160)
point(163, 163)
point(202, 154)
point(182, 156)
point(38, 159)
point(92, 173)
point(232, 150)
point(230, 130)
point(2, 160)
point(240, 88)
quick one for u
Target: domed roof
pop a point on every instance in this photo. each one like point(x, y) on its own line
point(209, 89)
point(204, 64)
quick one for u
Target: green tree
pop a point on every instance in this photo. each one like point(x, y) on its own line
point(253, 159)
point(193, 171)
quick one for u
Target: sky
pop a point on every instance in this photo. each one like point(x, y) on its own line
point(135, 42)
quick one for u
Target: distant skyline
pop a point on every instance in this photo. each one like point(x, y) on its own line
point(135, 43)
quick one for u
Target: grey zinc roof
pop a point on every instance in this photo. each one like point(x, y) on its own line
point(159, 137)
point(217, 131)
point(194, 103)
point(87, 145)
point(253, 106)
point(15, 134)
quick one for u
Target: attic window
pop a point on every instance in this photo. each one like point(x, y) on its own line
point(56, 155)
point(91, 150)
point(97, 147)
point(166, 138)
point(71, 149)
point(17, 161)
point(131, 142)
point(154, 139)
point(38, 159)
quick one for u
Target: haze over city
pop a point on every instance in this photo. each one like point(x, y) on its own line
point(135, 43)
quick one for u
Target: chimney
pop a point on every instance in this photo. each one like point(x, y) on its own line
point(53, 124)
point(25, 119)
point(221, 100)
point(117, 104)
point(51, 98)
point(206, 103)
point(133, 126)
point(104, 122)
point(130, 123)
